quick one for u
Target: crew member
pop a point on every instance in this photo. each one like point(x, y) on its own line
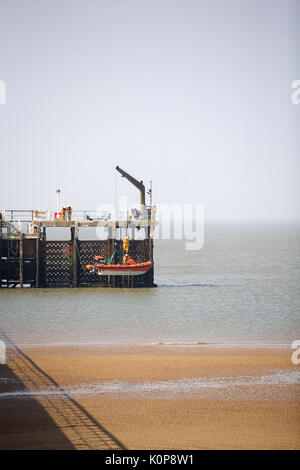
point(63, 211)
point(69, 212)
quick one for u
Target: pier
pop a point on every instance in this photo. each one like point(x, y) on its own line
point(29, 259)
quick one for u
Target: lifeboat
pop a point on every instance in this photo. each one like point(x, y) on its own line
point(130, 269)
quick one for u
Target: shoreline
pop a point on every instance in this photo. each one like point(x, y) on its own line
point(226, 344)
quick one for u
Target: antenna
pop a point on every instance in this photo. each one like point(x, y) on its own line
point(57, 200)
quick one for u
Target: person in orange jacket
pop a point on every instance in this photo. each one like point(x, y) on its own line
point(128, 261)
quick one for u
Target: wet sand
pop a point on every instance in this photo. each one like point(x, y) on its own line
point(149, 397)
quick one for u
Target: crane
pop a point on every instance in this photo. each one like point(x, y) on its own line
point(138, 184)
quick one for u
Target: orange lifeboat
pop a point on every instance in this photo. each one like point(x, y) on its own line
point(130, 269)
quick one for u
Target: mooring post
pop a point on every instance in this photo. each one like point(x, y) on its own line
point(21, 250)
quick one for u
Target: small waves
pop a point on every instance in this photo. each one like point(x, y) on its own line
point(277, 385)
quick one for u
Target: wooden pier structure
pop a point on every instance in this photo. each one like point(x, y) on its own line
point(29, 259)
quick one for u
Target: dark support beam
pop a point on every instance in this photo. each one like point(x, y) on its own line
point(21, 251)
point(150, 243)
point(74, 238)
point(7, 264)
point(0, 250)
point(1, 262)
point(109, 252)
point(131, 279)
point(37, 259)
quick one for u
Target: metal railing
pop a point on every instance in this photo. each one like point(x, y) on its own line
point(12, 215)
point(15, 215)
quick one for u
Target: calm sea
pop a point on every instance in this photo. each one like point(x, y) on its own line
point(241, 288)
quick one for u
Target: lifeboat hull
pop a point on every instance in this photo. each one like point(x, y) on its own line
point(120, 269)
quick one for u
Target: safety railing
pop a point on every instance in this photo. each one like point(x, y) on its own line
point(14, 215)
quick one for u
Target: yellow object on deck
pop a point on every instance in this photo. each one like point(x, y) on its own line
point(126, 244)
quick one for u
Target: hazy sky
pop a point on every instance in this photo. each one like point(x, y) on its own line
point(194, 94)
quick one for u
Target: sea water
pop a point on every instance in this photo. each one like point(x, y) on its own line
point(242, 287)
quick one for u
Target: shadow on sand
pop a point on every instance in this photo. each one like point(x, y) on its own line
point(48, 420)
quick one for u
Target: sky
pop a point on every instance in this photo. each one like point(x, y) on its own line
point(194, 95)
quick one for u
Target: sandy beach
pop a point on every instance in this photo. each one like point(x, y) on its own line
point(149, 397)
